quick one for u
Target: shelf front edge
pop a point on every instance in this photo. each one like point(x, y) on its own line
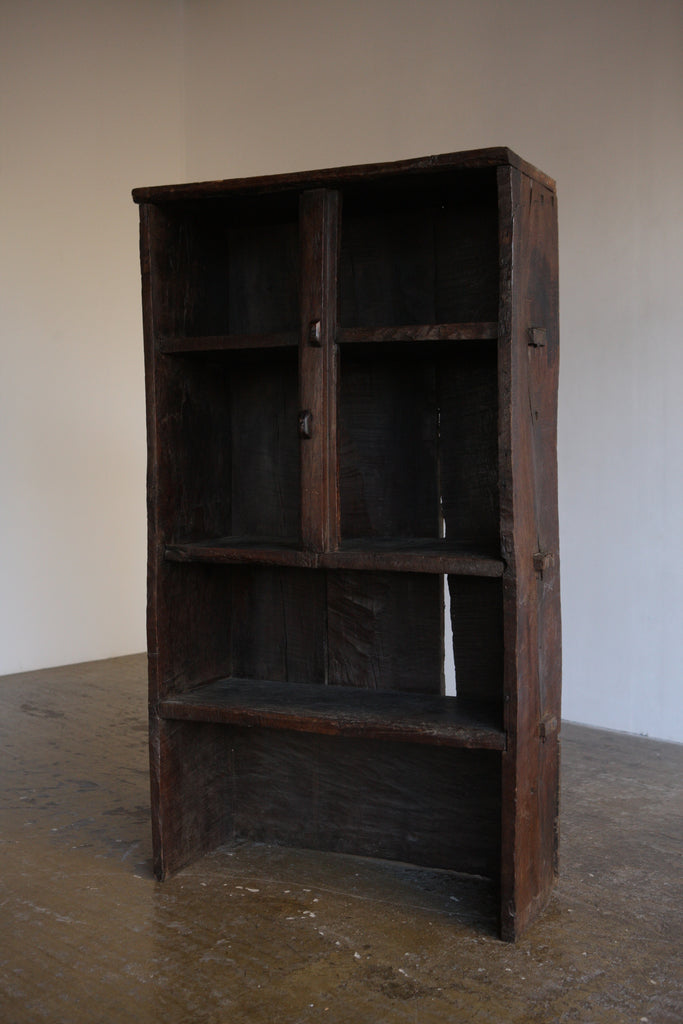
point(353, 714)
point(361, 559)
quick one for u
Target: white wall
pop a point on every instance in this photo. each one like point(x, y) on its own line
point(590, 92)
point(90, 106)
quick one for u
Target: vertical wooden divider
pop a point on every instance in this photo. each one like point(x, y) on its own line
point(319, 220)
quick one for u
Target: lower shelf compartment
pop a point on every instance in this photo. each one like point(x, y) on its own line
point(341, 711)
point(433, 806)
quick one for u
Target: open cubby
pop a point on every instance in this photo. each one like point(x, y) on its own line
point(230, 458)
point(351, 410)
point(418, 443)
point(420, 255)
point(226, 269)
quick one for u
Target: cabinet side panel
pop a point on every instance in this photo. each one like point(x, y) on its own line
point(541, 409)
point(188, 620)
point(151, 242)
point(531, 546)
point(191, 792)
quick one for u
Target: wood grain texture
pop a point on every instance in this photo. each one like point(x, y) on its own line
point(266, 479)
point(421, 170)
point(279, 624)
point(390, 554)
point(388, 425)
point(318, 370)
point(341, 710)
point(351, 392)
point(528, 522)
point(411, 257)
point(477, 630)
point(433, 806)
point(385, 630)
point(191, 793)
point(186, 343)
point(230, 274)
point(468, 445)
point(417, 334)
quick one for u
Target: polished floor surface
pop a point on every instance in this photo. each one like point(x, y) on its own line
point(262, 934)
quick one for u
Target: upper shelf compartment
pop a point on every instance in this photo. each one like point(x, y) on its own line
point(421, 256)
point(226, 273)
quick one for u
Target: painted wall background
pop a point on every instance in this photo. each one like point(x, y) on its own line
point(99, 97)
point(90, 103)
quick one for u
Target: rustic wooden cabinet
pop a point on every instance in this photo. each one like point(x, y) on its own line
point(351, 392)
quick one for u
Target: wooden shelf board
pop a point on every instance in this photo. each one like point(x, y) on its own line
point(417, 333)
point(340, 711)
point(228, 342)
point(379, 555)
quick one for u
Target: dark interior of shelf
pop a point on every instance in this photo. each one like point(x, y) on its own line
point(231, 454)
point(422, 259)
point(341, 710)
point(256, 342)
point(370, 630)
point(418, 445)
point(436, 806)
point(228, 267)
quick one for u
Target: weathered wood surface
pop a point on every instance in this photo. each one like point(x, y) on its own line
point(388, 449)
point(278, 622)
point(531, 608)
point(417, 334)
point(477, 628)
point(420, 169)
point(420, 257)
point(260, 342)
point(216, 274)
point(341, 711)
point(318, 371)
point(351, 392)
point(468, 443)
point(389, 554)
point(385, 630)
point(434, 806)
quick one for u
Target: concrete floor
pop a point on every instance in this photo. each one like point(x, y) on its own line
point(266, 934)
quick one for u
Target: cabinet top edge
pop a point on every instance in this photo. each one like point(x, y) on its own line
point(471, 159)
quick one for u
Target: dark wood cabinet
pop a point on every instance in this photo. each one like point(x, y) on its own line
point(351, 395)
